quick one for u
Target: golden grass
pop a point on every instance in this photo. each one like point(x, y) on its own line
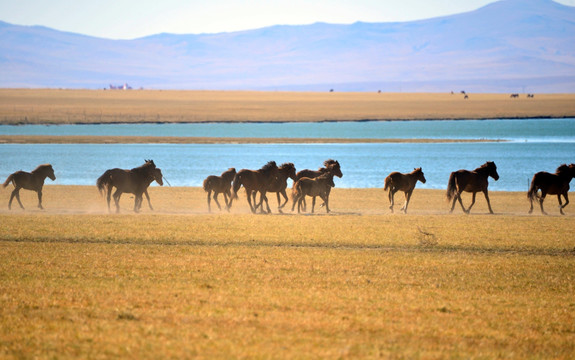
point(23, 106)
point(360, 283)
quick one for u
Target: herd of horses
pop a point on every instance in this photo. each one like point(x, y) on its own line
point(306, 183)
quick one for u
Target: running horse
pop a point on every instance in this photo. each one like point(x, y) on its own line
point(329, 165)
point(254, 181)
point(473, 182)
point(318, 186)
point(279, 185)
point(29, 181)
point(552, 184)
point(396, 181)
point(134, 181)
point(220, 185)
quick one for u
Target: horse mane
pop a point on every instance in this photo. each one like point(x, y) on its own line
point(487, 165)
point(562, 168)
point(416, 170)
point(148, 165)
point(41, 167)
point(229, 174)
point(287, 166)
point(269, 167)
point(329, 162)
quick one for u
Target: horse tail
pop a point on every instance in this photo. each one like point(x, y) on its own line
point(296, 190)
point(207, 185)
point(532, 193)
point(387, 183)
point(451, 187)
point(104, 181)
point(236, 185)
point(8, 180)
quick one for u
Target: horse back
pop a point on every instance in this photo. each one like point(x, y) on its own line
point(550, 183)
point(25, 180)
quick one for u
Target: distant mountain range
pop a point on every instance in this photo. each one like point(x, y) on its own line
point(507, 46)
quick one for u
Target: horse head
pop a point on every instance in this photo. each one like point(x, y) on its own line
point(270, 169)
point(333, 167)
point(157, 175)
point(568, 170)
point(420, 175)
point(45, 170)
point(290, 170)
point(492, 170)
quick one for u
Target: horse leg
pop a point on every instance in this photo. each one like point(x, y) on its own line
point(40, 200)
point(262, 198)
point(561, 206)
point(148, 198)
point(249, 195)
point(15, 193)
point(391, 201)
point(325, 199)
point(280, 205)
point(216, 200)
point(226, 201)
point(461, 202)
point(541, 199)
point(488, 202)
point(472, 203)
point(209, 200)
point(117, 195)
point(407, 198)
point(312, 204)
point(109, 193)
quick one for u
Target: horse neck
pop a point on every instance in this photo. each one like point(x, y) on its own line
point(41, 173)
point(283, 173)
point(483, 171)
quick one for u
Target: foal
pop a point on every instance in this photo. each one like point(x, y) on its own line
point(318, 186)
point(405, 182)
point(30, 181)
point(220, 184)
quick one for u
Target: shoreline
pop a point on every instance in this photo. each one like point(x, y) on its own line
point(90, 139)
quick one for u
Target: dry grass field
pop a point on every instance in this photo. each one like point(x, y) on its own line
point(179, 282)
point(48, 106)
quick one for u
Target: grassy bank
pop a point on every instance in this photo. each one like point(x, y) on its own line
point(49, 106)
point(179, 282)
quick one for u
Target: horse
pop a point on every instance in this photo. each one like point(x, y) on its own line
point(30, 181)
point(473, 182)
point(318, 186)
point(329, 165)
point(220, 185)
point(254, 181)
point(134, 181)
point(279, 185)
point(552, 184)
point(405, 182)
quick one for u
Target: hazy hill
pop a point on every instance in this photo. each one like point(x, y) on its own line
point(508, 46)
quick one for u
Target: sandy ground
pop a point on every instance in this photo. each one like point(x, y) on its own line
point(60, 199)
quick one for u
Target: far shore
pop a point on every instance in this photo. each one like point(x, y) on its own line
point(54, 106)
point(49, 139)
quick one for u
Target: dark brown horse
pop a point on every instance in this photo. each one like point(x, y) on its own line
point(220, 185)
point(134, 181)
point(402, 182)
point(279, 185)
point(329, 165)
point(254, 181)
point(552, 184)
point(471, 181)
point(30, 181)
point(318, 186)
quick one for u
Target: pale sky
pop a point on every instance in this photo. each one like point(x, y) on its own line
point(129, 19)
